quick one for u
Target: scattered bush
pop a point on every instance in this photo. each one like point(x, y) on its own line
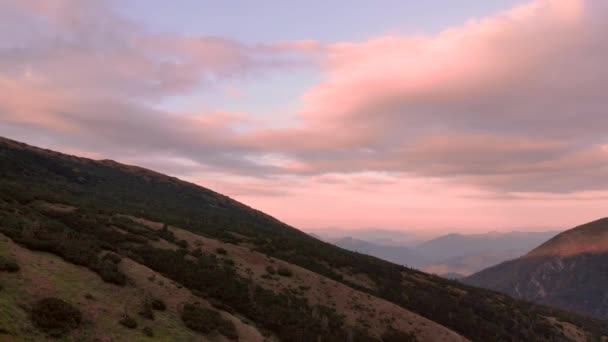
point(270, 270)
point(158, 304)
point(55, 316)
point(207, 320)
point(128, 322)
point(398, 336)
point(165, 233)
point(8, 264)
point(111, 257)
point(284, 272)
point(182, 243)
point(147, 331)
point(221, 251)
point(146, 310)
point(109, 272)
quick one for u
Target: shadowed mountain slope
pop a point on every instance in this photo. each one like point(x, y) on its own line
point(569, 271)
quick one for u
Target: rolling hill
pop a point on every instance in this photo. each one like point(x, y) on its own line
point(98, 250)
point(569, 271)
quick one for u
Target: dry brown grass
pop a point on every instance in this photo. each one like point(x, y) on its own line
point(44, 275)
point(58, 207)
point(570, 330)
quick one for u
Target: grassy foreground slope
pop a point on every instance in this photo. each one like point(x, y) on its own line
point(80, 209)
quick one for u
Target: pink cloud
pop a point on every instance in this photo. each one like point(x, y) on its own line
point(456, 63)
point(510, 94)
point(498, 122)
point(24, 103)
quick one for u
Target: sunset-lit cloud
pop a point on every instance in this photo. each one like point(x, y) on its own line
point(477, 125)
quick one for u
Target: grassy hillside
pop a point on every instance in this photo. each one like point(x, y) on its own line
point(81, 209)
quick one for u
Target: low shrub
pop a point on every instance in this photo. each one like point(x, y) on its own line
point(55, 316)
point(270, 270)
point(147, 331)
point(158, 304)
point(109, 272)
point(207, 320)
point(8, 264)
point(398, 336)
point(284, 271)
point(197, 252)
point(146, 310)
point(128, 322)
point(111, 257)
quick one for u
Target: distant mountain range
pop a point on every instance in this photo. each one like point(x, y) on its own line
point(378, 236)
point(454, 254)
point(569, 271)
point(397, 254)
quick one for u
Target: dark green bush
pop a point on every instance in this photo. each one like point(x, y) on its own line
point(207, 320)
point(111, 257)
point(284, 271)
point(221, 251)
point(165, 233)
point(8, 264)
point(128, 322)
point(109, 272)
point(147, 331)
point(55, 316)
point(146, 310)
point(270, 270)
point(398, 336)
point(158, 304)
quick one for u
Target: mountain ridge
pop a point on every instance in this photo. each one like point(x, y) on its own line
point(591, 237)
point(567, 271)
point(452, 253)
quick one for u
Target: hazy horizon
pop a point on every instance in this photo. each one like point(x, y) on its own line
point(413, 235)
point(423, 118)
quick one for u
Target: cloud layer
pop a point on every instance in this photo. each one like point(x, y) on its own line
point(514, 101)
point(503, 106)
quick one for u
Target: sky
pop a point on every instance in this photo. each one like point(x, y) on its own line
point(426, 117)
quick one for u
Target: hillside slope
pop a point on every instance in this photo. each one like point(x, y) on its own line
point(569, 271)
point(235, 261)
